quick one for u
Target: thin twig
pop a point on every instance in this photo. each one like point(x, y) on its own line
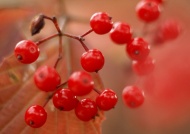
point(84, 45)
point(97, 91)
point(99, 82)
point(61, 85)
point(88, 32)
point(48, 99)
point(47, 38)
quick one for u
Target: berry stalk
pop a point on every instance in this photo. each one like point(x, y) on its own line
point(46, 39)
point(51, 95)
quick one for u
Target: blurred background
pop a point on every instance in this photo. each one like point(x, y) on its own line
point(167, 91)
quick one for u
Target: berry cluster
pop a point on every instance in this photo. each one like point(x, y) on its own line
point(138, 48)
point(65, 96)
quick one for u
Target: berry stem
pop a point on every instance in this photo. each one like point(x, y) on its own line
point(57, 61)
point(48, 99)
point(61, 85)
point(56, 25)
point(70, 36)
point(47, 38)
point(51, 95)
point(60, 34)
point(97, 91)
point(54, 20)
point(98, 80)
point(79, 38)
point(60, 52)
point(88, 32)
point(83, 45)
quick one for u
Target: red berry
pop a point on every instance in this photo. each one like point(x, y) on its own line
point(92, 60)
point(101, 23)
point(148, 11)
point(107, 100)
point(80, 83)
point(121, 33)
point(86, 109)
point(64, 99)
point(26, 51)
point(47, 78)
point(168, 30)
point(138, 49)
point(143, 67)
point(158, 1)
point(132, 96)
point(35, 116)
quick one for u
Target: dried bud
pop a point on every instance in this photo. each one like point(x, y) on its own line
point(37, 24)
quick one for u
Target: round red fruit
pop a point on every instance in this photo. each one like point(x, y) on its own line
point(26, 51)
point(148, 11)
point(46, 78)
point(132, 96)
point(64, 99)
point(86, 109)
point(92, 60)
point(169, 30)
point(101, 23)
point(107, 100)
point(143, 67)
point(138, 49)
point(158, 1)
point(121, 33)
point(35, 116)
point(80, 83)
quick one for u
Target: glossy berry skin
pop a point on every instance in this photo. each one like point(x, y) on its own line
point(121, 33)
point(158, 1)
point(80, 83)
point(148, 11)
point(138, 49)
point(64, 99)
point(107, 100)
point(86, 109)
point(26, 51)
point(101, 23)
point(35, 116)
point(46, 78)
point(132, 96)
point(92, 60)
point(144, 67)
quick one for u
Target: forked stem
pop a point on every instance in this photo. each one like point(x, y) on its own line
point(60, 34)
